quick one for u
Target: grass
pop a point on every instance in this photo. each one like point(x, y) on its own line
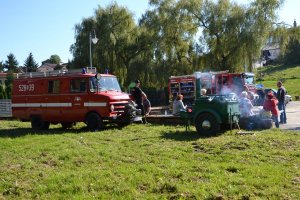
point(290, 75)
point(146, 162)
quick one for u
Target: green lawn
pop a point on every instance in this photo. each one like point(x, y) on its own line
point(146, 162)
point(290, 75)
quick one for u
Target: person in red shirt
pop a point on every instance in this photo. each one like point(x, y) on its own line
point(270, 104)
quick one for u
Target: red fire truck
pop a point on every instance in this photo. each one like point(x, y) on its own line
point(70, 96)
point(214, 82)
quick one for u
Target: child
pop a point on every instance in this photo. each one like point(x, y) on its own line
point(270, 104)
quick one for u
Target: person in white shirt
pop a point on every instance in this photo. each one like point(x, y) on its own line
point(245, 105)
point(178, 105)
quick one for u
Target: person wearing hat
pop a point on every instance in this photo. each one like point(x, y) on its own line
point(270, 104)
point(138, 96)
point(281, 92)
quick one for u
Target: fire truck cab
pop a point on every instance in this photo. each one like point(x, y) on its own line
point(70, 96)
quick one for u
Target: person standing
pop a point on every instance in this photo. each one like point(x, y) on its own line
point(270, 104)
point(138, 96)
point(281, 92)
point(147, 106)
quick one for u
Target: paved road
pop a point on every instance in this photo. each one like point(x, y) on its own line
point(293, 116)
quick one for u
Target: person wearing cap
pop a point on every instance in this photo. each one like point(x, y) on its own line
point(270, 104)
point(281, 92)
point(138, 96)
point(178, 105)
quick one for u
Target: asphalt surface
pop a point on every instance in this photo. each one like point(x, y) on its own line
point(293, 116)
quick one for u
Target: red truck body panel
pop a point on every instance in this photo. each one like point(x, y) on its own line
point(65, 98)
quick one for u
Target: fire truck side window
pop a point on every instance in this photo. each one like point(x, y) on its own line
point(53, 86)
point(78, 85)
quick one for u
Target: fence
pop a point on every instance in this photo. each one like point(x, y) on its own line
point(5, 108)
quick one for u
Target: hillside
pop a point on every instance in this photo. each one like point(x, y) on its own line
point(289, 75)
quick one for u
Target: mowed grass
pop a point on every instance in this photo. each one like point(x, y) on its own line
point(290, 75)
point(146, 162)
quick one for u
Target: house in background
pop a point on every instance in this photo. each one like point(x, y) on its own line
point(270, 52)
point(48, 67)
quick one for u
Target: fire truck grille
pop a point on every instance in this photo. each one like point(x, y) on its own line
point(120, 107)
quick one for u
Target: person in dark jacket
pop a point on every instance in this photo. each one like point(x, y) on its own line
point(138, 96)
point(281, 92)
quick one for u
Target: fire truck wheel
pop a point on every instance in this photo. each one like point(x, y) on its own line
point(38, 124)
point(94, 122)
point(66, 125)
point(206, 124)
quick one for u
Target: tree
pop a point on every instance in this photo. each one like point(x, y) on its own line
point(234, 34)
point(1, 67)
point(118, 43)
point(11, 64)
point(55, 59)
point(30, 65)
point(8, 84)
point(292, 53)
point(2, 91)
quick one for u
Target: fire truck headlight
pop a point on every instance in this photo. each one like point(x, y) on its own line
point(112, 108)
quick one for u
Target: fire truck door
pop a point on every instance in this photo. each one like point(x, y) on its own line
point(76, 98)
point(52, 101)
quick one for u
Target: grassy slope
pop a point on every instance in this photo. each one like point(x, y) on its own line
point(290, 75)
point(146, 162)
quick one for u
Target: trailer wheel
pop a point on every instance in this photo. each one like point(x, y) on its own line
point(66, 125)
point(206, 124)
point(38, 124)
point(94, 122)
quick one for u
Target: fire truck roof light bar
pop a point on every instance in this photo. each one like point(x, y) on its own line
point(89, 70)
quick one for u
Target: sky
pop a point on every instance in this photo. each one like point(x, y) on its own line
point(45, 28)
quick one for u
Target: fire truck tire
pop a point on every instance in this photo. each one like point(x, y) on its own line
point(94, 122)
point(66, 125)
point(207, 125)
point(38, 124)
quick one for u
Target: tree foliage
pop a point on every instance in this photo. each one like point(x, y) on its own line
point(233, 34)
point(174, 37)
point(29, 64)
point(1, 67)
point(11, 64)
point(55, 59)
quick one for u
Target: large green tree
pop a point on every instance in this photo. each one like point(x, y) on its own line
point(11, 64)
point(29, 64)
point(234, 34)
point(118, 43)
point(174, 37)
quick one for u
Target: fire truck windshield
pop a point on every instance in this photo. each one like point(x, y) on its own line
point(249, 80)
point(106, 83)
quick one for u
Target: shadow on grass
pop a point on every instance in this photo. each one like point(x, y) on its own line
point(20, 132)
point(186, 136)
